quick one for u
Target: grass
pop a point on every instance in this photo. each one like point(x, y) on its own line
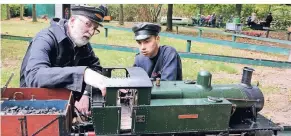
point(12, 53)
point(116, 37)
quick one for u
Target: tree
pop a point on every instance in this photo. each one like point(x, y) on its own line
point(147, 12)
point(169, 18)
point(7, 12)
point(238, 10)
point(200, 8)
point(21, 12)
point(156, 12)
point(121, 22)
point(34, 13)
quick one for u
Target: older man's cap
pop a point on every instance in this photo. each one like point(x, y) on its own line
point(93, 13)
point(143, 31)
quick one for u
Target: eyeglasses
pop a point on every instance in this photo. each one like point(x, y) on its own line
point(89, 24)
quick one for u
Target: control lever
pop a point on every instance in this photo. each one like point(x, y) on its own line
point(8, 81)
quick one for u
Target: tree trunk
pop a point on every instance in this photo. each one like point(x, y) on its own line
point(21, 12)
point(200, 8)
point(238, 9)
point(169, 18)
point(121, 21)
point(157, 13)
point(7, 12)
point(34, 13)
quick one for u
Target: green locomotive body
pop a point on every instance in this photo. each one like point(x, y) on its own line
point(179, 107)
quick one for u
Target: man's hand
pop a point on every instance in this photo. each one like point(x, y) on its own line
point(96, 80)
point(83, 105)
point(123, 90)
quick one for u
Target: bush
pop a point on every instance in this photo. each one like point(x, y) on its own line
point(113, 10)
point(14, 10)
point(281, 24)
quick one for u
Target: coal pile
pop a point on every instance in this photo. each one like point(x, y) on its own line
point(29, 110)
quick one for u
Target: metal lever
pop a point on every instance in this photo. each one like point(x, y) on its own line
point(23, 125)
point(8, 81)
point(14, 95)
point(32, 98)
point(214, 99)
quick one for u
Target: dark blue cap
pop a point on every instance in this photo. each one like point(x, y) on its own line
point(144, 30)
point(93, 13)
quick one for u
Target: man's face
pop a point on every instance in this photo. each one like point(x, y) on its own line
point(149, 47)
point(82, 29)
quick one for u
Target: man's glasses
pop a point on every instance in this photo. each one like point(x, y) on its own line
point(89, 24)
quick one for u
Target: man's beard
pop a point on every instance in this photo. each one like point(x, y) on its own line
point(79, 39)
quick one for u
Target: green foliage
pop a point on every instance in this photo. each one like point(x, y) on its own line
point(226, 10)
point(282, 17)
point(189, 10)
point(281, 13)
point(247, 10)
point(14, 10)
point(3, 12)
point(261, 10)
point(129, 10)
point(133, 12)
point(113, 10)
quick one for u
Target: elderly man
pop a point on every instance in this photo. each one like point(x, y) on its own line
point(158, 61)
point(61, 56)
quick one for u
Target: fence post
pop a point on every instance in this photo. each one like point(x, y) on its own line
point(200, 33)
point(177, 29)
point(267, 35)
point(188, 46)
point(233, 38)
point(106, 32)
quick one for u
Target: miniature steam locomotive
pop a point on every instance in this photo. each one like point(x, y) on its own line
point(179, 107)
point(151, 106)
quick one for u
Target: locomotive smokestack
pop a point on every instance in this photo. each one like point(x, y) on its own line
point(247, 76)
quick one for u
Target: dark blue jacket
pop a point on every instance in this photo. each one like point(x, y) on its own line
point(165, 65)
point(52, 61)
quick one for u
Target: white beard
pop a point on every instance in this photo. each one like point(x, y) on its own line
point(77, 37)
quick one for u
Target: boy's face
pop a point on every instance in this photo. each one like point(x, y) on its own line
point(149, 47)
